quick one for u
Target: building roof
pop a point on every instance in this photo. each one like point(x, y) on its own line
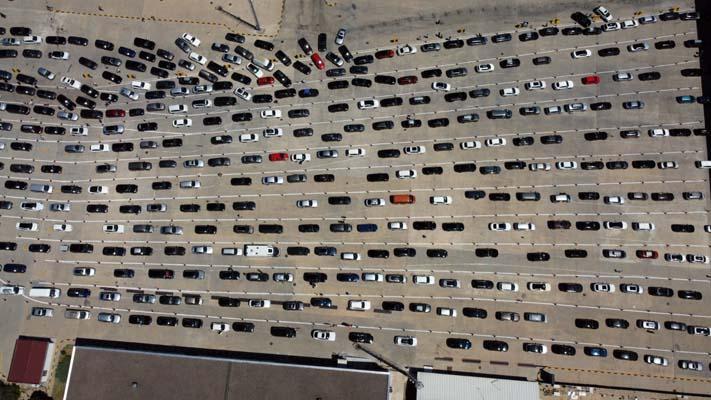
point(127, 374)
point(28, 360)
point(439, 386)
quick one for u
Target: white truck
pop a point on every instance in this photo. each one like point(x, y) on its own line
point(260, 250)
point(45, 292)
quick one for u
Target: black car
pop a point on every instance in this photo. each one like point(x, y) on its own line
point(542, 60)
point(393, 306)
point(431, 73)
point(404, 252)
point(649, 76)
point(453, 44)
point(608, 52)
point(581, 19)
point(282, 331)
point(78, 292)
point(563, 349)
point(301, 67)
point(457, 343)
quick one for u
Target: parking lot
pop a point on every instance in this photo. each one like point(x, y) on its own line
point(457, 203)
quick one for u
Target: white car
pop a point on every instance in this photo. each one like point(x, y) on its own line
point(46, 73)
point(495, 142)
point(697, 259)
point(195, 163)
point(629, 23)
point(272, 132)
point(603, 287)
point(308, 203)
point(190, 184)
point(32, 40)
point(254, 70)
point(202, 89)
point(445, 87)
point(622, 76)
point(656, 360)
point(220, 327)
point(355, 152)
point(484, 68)
point(141, 85)
point(539, 286)
point(71, 82)
point(350, 256)
point(243, 94)
point(183, 123)
point(441, 200)
point(423, 279)
point(615, 225)
point(202, 249)
point(566, 165)
point(283, 277)
point(524, 226)
point(560, 198)
point(32, 206)
point(581, 53)
point(323, 335)
point(535, 85)
point(635, 47)
point(539, 167)
point(300, 157)
point(368, 104)
point(617, 200)
point(647, 324)
point(507, 286)
point(358, 305)
point(406, 174)
point(553, 110)
point(248, 138)
point(407, 341)
point(373, 277)
point(99, 147)
point(197, 58)
point(575, 107)
point(648, 19)
point(60, 207)
point(62, 227)
point(500, 226)
point(177, 108)
point(642, 226)
point(98, 189)
point(191, 39)
point(414, 150)
point(473, 144)
point(272, 180)
point(510, 91)
point(271, 114)
point(340, 36)
point(12, 290)
point(406, 49)
point(84, 271)
point(561, 85)
point(631, 288)
point(691, 365)
point(603, 13)
point(611, 26)
point(668, 165)
point(258, 303)
point(59, 55)
point(26, 226)
point(397, 226)
point(446, 312)
point(658, 132)
point(374, 202)
point(113, 228)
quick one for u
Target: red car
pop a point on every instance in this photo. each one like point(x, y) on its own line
point(407, 80)
point(647, 254)
point(384, 54)
point(591, 80)
point(265, 80)
point(278, 156)
point(318, 62)
point(115, 113)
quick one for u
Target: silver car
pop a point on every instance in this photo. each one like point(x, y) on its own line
point(109, 318)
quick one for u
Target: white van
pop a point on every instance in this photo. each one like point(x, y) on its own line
point(40, 188)
point(45, 292)
point(263, 63)
point(703, 164)
point(177, 108)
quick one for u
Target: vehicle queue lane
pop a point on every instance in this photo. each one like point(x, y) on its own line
point(559, 329)
point(628, 305)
